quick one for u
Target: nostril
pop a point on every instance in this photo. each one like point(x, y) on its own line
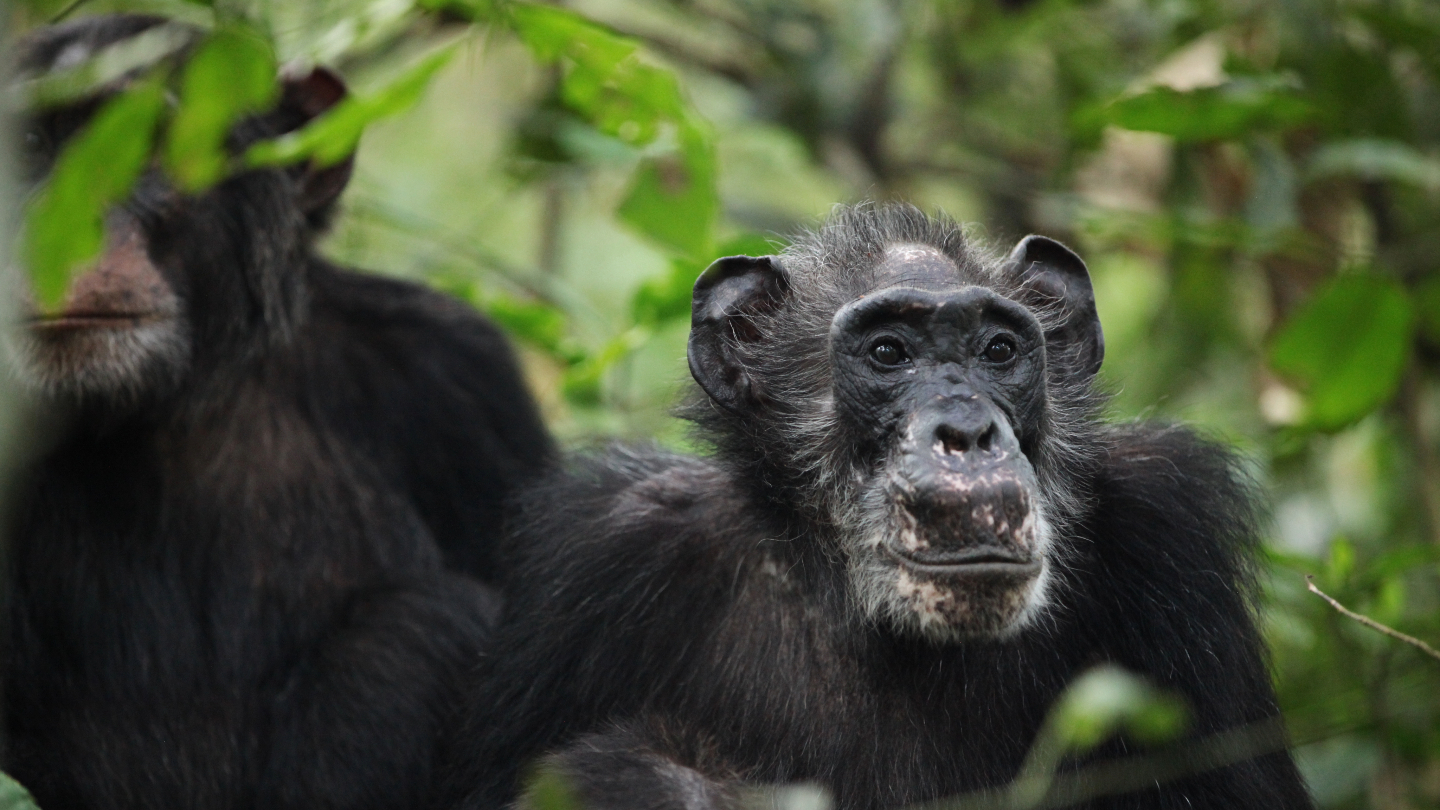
point(951, 441)
point(988, 438)
point(955, 441)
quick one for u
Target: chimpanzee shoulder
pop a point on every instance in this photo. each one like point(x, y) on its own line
point(651, 587)
point(1173, 541)
point(443, 384)
point(627, 564)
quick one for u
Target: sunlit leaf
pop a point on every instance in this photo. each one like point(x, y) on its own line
point(1377, 159)
point(553, 32)
point(604, 79)
point(1346, 348)
point(582, 381)
point(673, 199)
point(1105, 700)
point(332, 137)
point(1211, 113)
point(232, 74)
point(64, 226)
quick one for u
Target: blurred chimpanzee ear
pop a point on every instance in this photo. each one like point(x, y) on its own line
point(1054, 280)
point(728, 295)
point(305, 96)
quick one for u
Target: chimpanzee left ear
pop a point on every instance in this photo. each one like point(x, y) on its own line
point(1052, 276)
point(728, 295)
point(305, 96)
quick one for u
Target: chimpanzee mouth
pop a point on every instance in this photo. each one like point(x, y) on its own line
point(976, 562)
point(93, 319)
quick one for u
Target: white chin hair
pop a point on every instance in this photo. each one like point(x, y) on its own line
point(950, 612)
point(113, 365)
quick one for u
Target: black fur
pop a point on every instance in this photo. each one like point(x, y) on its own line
point(240, 579)
point(684, 629)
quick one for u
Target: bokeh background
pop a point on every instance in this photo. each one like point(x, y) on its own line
point(1255, 185)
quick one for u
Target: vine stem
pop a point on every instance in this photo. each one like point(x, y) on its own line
point(1371, 623)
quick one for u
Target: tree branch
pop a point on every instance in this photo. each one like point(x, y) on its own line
point(1371, 623)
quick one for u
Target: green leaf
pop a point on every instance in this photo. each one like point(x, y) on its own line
point(582, 381)
point(552, 33)
point(1377, 159)
point(1106, 699)
point(1341, 562)
point(1211, 113)
point(232, 74)
point(605, 80)
point(14, 796)
point(537, 323)
point(332, 137)
point(550, 790)
point(1427, 307)
point(475, 10)
point(1408, 31)
point(1346, 348)
point(667, 297)
point(672, 198)
point(107, 66)
point(64, 226)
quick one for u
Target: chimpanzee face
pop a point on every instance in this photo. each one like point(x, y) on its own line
point(917, 428)
point(946, 377)
point(183, 280)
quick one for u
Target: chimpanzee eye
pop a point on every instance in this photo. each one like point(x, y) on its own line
point(889, 352)
point(1000, 350)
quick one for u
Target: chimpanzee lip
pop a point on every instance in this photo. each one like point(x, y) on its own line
point(968, 562)
point(90, 319)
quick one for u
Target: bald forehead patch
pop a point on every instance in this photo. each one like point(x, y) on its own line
point(921, 266)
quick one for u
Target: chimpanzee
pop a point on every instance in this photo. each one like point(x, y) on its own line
point(913, 533)
point(240, 571)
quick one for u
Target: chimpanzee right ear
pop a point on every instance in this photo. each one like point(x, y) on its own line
point(728, 295)
point(304, 97)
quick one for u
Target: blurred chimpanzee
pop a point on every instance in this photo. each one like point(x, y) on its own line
point(914, 533)
point(235, 571)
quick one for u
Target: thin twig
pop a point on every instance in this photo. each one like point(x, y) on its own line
point(1140, 772)
point(65, 12)
point(1371, 623)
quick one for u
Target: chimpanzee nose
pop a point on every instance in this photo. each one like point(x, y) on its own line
point(963, 431)
point(960, 436)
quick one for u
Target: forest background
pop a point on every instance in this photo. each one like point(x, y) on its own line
point(1255, 186)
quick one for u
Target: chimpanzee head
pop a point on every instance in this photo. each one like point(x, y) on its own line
point(186, 284)
point(916, 402)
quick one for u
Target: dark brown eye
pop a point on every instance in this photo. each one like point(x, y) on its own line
point(1000, 350)
point(888, 353)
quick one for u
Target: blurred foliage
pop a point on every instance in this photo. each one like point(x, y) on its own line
point(1256, 187)
point(13, 796)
